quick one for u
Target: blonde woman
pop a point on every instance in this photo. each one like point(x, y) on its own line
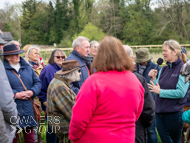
point(32, 57)
point(171, 91)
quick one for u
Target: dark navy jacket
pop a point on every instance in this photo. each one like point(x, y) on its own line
point(75, 86)
point(168, 80)
point(32, 82)
point(46, 75)
point(149, 67)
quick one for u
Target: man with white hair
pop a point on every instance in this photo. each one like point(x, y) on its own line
point(16, 43)
point(129, 51)
point(81, 48)
point(147, 116)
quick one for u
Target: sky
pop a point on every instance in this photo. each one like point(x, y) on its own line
point(2, 2)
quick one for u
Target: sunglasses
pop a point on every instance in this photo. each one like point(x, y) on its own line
point(58, 57)
point(79, 71)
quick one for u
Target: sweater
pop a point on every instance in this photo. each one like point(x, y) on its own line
point(107, 107)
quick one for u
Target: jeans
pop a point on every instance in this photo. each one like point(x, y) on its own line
point(152, 134)
point(169, 126)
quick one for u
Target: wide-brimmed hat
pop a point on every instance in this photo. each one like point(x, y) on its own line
point(11, 49)
point(142, 55)
point(69, 66)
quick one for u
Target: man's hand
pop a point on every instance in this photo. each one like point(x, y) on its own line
point(152, 74)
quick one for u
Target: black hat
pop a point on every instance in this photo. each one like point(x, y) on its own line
point(11, 49)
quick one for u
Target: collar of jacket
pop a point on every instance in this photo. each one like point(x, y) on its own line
point(23, 64)
point(172, 65)
point(78, 55)
point(57, 76)
point(56, 66)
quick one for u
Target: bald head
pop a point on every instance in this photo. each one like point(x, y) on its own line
point(129, 51)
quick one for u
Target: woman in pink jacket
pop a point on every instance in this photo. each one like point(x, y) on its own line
point(110, 101)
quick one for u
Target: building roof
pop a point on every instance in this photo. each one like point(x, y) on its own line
point(7, 36)
point(2, 41)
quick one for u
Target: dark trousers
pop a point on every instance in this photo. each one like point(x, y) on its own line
point(169, 126)
point(28, 134)
point(152, 134)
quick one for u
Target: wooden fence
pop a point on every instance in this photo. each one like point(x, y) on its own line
point(157, 46)
point(45, 53)
point(136, 47)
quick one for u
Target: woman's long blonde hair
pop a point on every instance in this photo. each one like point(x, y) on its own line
point(174, 46)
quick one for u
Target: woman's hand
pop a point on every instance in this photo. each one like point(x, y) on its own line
point(21, 95)
point(154, 88)
point(24, 95)
point(152, 74)
point(29, 93)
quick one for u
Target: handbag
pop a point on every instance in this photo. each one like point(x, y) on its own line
point(37, 113)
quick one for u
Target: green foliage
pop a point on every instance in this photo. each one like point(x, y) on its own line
point(91, 32)
point(132, 21)
point(65, 42)
point(7, 27)
point(137, 28)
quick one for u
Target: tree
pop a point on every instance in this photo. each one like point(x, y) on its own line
point(110, 21)
point(91, 32)
point(172, 16)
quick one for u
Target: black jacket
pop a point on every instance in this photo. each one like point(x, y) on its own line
point(147, 116)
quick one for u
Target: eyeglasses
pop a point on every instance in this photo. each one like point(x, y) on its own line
point(59, 57)
point(95, 47)
point(79, 71)
point(143, 64)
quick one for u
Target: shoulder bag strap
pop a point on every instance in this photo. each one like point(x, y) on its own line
point(22, 84)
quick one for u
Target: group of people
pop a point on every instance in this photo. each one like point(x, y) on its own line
point(99, 93)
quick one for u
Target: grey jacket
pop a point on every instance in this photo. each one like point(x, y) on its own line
point(3, 133)
point(7, 104)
